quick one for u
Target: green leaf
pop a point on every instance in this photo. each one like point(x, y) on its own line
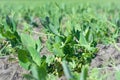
point(11, 23)
point(8, 35)
point(57, 50)
point(39, 73)
point(35, 55)
point(84, 43)
point(23, 59)
point(69, 38)
point(84, 73)
point(23, 55)
point(27, 40)
point(66, 70)
point(38, 44)
point(117, 75)
point(82, 40)
point(25, 65)
point(50, 59)
point(89, 36)
point(57, 39)
point(31, 47)
point(54, 29)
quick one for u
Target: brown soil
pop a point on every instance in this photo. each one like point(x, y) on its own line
point(107, 61)
point(10, 70)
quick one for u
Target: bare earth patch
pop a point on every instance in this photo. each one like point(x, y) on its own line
point(10, 70)
point(107, 61)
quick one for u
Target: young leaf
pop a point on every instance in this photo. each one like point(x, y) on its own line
point(54, 29)
point(82, 40)
point(69, 39)
point(35, 55)
point(67, 72)
point(84, 73)
point(57, 50)
point(38, 45)
point(27, 40)
point(39, 73)
point(23, 59)
point(10, 22)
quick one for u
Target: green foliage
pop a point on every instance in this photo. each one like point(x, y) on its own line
point(33, 61)
point(72, 31)
point(67, 71)
point(117, 75)
point(84, 73)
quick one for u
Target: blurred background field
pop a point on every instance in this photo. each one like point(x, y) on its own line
point(42, 2)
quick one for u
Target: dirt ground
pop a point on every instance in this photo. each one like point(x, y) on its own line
point(10, 69)
point(107, 60)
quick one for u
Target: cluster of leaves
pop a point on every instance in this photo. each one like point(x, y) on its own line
point(26, 48)
point(72, 36)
